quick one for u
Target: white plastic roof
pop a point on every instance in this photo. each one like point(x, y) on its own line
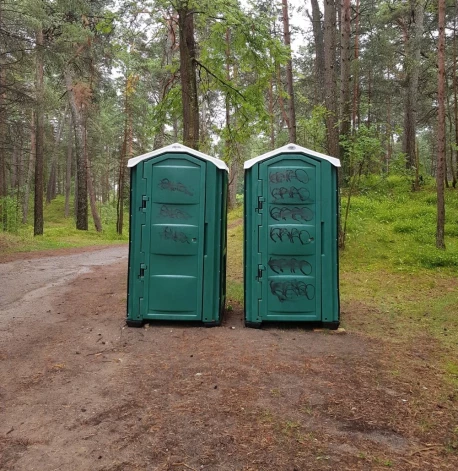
point(177, 148)
point(291, 149)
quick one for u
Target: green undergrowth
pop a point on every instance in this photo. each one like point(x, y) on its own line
point(395, 228)
point(394, 283)
point(60, 232)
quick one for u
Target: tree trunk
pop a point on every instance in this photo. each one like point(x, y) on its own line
point(3, 184)
point(188, 77)
point(319, 51)
point(31, 166)
point(121, 179)
point(38, 222)
point(271, 113)
point(233, 181)
point(355, 108)
point(412, 70)
point(440, 242)
point(330, 77)
point(90, 186)
point(345, 65)
point(106, 177)
point(68, 167)
point(289, 75)
point(81, 170)
point(51, 190)
point(455, 87)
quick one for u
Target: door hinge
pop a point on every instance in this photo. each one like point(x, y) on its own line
point(142, 270)
point(261, 200)
point(261, 268)
point(144, 200)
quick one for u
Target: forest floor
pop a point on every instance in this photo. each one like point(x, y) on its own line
point(81, 391)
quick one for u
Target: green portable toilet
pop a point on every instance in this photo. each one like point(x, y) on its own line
point(177, 243)
point(291, 224)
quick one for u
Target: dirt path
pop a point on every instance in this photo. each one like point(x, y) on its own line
point(80, 391)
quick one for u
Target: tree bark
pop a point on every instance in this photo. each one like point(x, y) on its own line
point(345, 65)
point(51, 190)
point(81, 170)
point(319, 51)
point(412, 71)
point(38, 222)
point(188, 76)
point(455, 87)
point(289, 75)
point(3, 183)
point(440, 228)
point(31, 166)
point(68, 167)
point(330, 77)
point(90, 186)
point(121, 178)
point(355, 108)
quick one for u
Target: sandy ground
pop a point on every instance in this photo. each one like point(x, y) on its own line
point(81, 391)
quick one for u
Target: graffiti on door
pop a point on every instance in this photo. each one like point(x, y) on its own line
point(166, 184)
point(292, 264)
point(292, 290)
point(281, 234)
point(292, 192)
point(296, 213)
point(173, 213)
point(299, 175)
point(176, 236)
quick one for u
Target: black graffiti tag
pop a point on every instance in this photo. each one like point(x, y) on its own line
point(300, 175)
point(296, 213)
point(166, 184)
point(173, 213)
point(176, 236)
point(280, 234)
point(291, 290)
point(280, 265)
point(302, 193)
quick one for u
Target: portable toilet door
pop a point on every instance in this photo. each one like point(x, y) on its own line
point(177, 244)
point(291, 225)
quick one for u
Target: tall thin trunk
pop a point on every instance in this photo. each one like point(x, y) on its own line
point(230, 154)
point(81, 170)
point(38, 222)
point(271, 113)
point(369, 100)
point(106, 177)
point(412, 70)
point(121, 178)
point(3, 183)
point(319, 51)
point(355, 108)
point(68, 167)
point(440, 229)
point(51, 190)
point(90, 185)
point(455, 87)
point(389, 148)
point(345, 65)
point(188, 65)
point(289, 75)
point(330, 77)
point(31, 166)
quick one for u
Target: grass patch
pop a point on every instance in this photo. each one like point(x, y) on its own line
point(60, 232)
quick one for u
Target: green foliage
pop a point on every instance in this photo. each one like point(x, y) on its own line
point(10, 214)
point(311, 132)
point(59, 232)
point(362, 148)
point(392, 227)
